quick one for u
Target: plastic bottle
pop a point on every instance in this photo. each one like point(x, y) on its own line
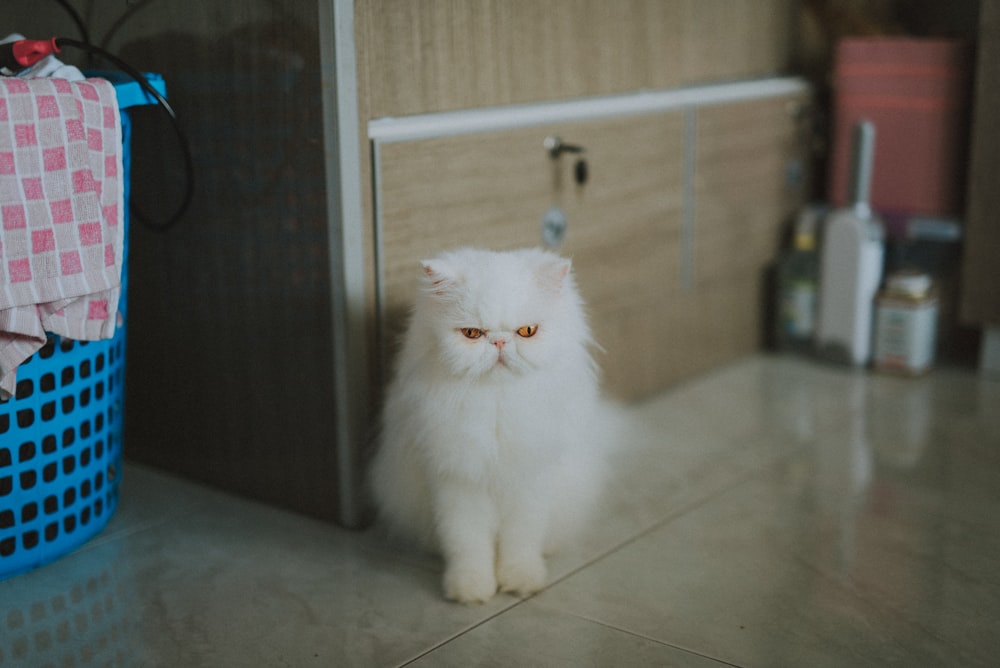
point(851, 265)
point(798, 285)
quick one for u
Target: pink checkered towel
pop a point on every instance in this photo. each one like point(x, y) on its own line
point(61, 195)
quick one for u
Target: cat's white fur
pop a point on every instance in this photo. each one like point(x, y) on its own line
point(493, 449)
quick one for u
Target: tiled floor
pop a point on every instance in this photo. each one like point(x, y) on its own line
point(773, 513)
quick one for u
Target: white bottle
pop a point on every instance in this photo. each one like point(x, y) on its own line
point(851, 260)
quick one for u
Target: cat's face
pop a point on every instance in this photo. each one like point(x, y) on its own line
point(495, 314)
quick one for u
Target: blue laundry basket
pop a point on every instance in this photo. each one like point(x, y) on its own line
point(61, 436)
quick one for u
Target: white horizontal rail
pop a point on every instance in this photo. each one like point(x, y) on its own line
point(488, 119)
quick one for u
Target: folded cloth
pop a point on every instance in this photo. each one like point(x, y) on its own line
point(62, 201)
point(49, 66)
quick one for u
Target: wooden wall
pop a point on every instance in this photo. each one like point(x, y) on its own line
point(491, 189)
point(421, 56)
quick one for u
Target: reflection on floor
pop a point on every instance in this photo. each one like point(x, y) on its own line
point(772, 513)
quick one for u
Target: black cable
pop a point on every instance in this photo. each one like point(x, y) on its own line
point(162, 101)
point(75, 15)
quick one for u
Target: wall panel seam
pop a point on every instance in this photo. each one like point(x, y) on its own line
point(688, 211)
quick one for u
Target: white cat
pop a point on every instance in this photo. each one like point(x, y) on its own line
point(494, 434)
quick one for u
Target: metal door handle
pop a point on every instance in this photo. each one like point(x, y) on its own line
point(556, 146)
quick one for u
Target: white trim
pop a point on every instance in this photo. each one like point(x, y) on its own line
point(452, 123)
point(346, 234)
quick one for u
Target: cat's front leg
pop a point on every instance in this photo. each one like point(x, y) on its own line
point(520, 562)
point(466, 526)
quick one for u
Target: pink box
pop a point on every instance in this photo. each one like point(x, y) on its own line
point(916, 92)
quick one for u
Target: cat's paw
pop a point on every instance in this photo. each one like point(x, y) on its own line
point(523, 576)
point(469, 585)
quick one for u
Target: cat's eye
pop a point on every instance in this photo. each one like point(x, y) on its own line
point(527, 331)
point(471, 332)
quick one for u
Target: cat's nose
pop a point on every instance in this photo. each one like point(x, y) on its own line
point(499, 343)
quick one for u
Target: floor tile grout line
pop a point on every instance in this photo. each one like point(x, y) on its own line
point(757, 472)
point(472, 627)
point(746, 476)
point(378, 546)
point(686, 508)
point(122, 534)
point(679, 648)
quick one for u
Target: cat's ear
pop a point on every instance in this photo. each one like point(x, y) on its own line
point(440, 275)
point(551, 276)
